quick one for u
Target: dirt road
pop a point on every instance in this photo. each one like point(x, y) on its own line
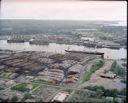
point(95, 76)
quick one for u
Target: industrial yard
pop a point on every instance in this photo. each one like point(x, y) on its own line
point(33, 71)
point(33, 76)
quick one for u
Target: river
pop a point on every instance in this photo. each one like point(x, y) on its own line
point(60, 48)
point(120, 23)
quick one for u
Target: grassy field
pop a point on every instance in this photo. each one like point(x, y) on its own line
point(23, 87)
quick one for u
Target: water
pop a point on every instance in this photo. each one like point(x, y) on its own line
point(87, 38)
point(60, 48)
point(121, 23)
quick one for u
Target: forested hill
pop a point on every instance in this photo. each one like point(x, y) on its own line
point(46, 26)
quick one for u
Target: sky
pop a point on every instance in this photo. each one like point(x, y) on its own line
point(63, 10)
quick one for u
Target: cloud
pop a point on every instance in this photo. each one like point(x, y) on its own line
point(74, 10)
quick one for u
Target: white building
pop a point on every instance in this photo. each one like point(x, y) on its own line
point(60, 97)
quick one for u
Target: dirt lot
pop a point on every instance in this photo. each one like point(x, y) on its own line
point(106, 83)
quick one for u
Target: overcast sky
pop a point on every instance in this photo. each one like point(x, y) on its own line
point(67, 10)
